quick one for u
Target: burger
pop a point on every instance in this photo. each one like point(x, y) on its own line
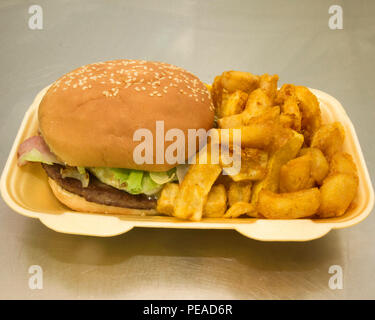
point(87, 120)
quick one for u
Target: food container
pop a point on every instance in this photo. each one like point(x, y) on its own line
point(27, 192)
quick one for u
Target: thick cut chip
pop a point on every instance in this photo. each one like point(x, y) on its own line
point(269, 115)
point(342, 162)
point(280, 137)
point(308, 105)
point(269, 85)
point(336, 194)
point(233, 121)
point(319, 166)
point(290, 114)
point(329, 139)
point(194, 190)
point(285, 153)
point(257, 135)
point(295, 175)
point(167, 198)
point(286, 91)
point(239, 192)
point(253, 165)
point(258, 109)
point(292, 205)
point(216, 203)
point(229, 82)
point(217, 93)
point(340, 187)
point(257, 103)
point(238, 80)
point(239, 209)
point(310, 110)
point(234, 103)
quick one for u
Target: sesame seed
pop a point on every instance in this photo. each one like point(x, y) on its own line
point(152, 77)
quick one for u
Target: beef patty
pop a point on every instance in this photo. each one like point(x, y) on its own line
point(99, 192)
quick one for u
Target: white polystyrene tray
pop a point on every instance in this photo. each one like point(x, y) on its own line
point(27, 192)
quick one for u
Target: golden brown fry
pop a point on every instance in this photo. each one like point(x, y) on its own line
point(295, 175)
point(292, 205)
point(290, 114)
point(216, 92)
point(336, 193)
point(257, 135)
point(253, 165)
point(310, 110)
point(340, 187)
point(167, 198)
point(272, 132)
point(257, 103)
point(320, 166)
point(238, 80)
point(258, 109)
point(308, 105)
point(280, 137)
point(269, 116)
point(234, 103)
point(286, 91)
point(216, 203)
point(239, 209)
point(269, 85)
point(342, 162)
point(239, 192)
point(285, 153)
point(329, 139)
point(233, 121)
point(194, 190)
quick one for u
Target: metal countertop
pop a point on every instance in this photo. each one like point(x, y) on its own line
point(290, 38)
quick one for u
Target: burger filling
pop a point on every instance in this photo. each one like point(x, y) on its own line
point(99, 192)
point(134, 182)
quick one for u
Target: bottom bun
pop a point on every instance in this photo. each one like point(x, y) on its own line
point(80, 204)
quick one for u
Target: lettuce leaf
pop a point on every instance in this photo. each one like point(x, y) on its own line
point(123, 179)
point(133, 181)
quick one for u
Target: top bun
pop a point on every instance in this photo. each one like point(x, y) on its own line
point(88, 116)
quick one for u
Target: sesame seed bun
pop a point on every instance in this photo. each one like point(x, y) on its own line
point(78, 203)
point(88, 116)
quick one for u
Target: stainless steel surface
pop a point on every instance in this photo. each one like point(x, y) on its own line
point(290, 38)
